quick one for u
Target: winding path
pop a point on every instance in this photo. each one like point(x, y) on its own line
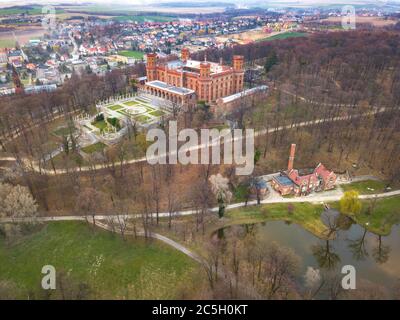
point(215, 142)
point(157, 236)
point(313, 198)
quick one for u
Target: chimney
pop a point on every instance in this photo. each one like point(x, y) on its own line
point(291, 156)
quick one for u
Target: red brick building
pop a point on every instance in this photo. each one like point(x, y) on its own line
point(292, 181)
point(178, 80)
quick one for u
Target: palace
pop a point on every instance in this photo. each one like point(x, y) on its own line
point(292, 181)
point(186, 81)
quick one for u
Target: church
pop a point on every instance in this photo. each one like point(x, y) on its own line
point(187, 81)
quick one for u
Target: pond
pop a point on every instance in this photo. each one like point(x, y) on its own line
point(376, 259)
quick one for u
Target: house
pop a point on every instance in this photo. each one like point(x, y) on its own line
point(299, 182)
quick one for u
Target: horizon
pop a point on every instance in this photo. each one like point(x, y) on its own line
point(135, 3)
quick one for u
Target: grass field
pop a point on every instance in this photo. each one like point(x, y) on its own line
point(285, 35)
point(96, 147)
point(305, 214)
point(131, 54)
point(7, 43)
point(31, 10)
point(379, 220)
point(111, 267)
point(365, 187)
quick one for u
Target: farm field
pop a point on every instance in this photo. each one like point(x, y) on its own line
point(375, 21)
point(144, 18)
point(284, 35)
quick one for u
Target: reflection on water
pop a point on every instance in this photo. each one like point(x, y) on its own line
point(376, 258)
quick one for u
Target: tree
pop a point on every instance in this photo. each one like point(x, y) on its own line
point(350, 203)
point(272, 60)
point(89, 202)
point(17, 202)
point(325, 256)
point(280, 267)
point(381, 252)
point(220, 188)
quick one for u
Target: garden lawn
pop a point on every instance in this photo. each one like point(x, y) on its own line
point(305, 214)
point(111, 267)
point(365, 187)
point(100, 124)
point(157, 113)
point(115, 107)
point(96, 147)
point(142, 118)
point(131, 103)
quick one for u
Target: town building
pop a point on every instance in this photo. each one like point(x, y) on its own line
point(297, 182)
point(185, 79)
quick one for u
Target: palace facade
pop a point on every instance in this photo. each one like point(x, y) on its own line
point(185, 80)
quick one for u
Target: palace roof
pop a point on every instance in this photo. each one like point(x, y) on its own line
point(194, 65)
point(167, 87)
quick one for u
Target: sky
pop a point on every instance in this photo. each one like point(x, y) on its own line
point(141, 2)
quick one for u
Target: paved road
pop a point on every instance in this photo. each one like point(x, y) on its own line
point(35, 167)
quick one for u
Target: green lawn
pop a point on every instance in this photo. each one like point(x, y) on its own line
point(131, 103)
point(380, 219)
point(142, 118)
point(62, 160)
point(131, 54)
point(111, 267)
point(157, 113)
point(285, 35)
point(100, 124)
point(365, 187)
point(96, 147)
point(115, 107)
point(305, 214)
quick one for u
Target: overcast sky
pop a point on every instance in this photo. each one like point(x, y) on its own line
point(141, 2)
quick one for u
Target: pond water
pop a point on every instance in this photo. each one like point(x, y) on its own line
point(375, 258)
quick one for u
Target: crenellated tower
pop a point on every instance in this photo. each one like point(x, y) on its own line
point(238, 76)
point(151, 67)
